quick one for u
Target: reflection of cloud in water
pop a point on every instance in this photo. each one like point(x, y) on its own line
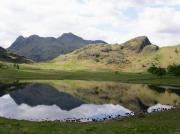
point(159, 107)
point(9, 109)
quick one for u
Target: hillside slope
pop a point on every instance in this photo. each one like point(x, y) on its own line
point(7, 56)
point(135, 55)
point(46, 48)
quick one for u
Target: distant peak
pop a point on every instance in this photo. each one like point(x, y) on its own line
point(64, 34)
point(34, 36)
point(69, 36)
point(20, 37)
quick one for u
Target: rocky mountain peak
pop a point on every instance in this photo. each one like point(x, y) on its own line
point(137, 44)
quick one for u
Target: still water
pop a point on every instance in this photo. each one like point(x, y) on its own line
point(39, 101)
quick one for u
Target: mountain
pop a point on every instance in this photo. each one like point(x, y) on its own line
point(135, 55)
point(46, 48)
point(11, 57)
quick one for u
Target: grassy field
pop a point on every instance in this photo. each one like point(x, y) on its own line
point(44, 74)
point(157, 123)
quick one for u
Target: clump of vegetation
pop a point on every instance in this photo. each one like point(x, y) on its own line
point(174, 69)
point(97, 60)
point(121, 47)
point(16, 66)
point(157, 71)
point(176, 51)
point(116, 72)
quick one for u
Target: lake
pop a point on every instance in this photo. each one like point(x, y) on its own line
point(69, 100)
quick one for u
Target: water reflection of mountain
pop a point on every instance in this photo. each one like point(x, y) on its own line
point(6, 87)
point(43, 94)
point(136, 97)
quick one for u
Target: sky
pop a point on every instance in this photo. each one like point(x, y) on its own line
point(114, 21)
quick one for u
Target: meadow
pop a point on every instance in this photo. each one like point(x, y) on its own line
point(98, 75)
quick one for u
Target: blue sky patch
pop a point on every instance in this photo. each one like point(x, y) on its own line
point(131, 13)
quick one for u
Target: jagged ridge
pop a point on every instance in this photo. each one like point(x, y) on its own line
point(46, 48)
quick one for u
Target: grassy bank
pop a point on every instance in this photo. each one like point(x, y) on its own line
point(157, 123)
point(39, 74)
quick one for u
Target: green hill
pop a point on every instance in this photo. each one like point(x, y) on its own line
point(135, 55)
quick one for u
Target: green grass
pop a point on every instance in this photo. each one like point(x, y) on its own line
point(39, 74)
point(157, 123)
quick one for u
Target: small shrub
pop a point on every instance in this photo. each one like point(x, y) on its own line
point(116, 72)
point(121, 47)
point(97, 60)
point(176, 51)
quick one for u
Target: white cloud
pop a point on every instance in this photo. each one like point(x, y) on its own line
point(91, 19)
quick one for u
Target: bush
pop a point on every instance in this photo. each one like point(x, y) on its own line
point(157, 71)
point(174, 69)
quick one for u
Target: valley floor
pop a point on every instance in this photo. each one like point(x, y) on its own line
point(156, 123)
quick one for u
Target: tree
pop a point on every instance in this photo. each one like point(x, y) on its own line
point(157, 71)
point(174, 69)
point(152, 69)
